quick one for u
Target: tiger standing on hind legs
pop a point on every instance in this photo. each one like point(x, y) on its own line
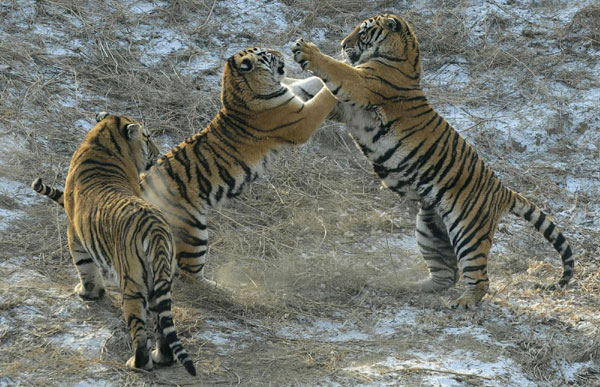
point(415, 152)
point(260, 115)
point(110, 226)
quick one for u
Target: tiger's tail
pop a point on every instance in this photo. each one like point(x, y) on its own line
point(53, 193)
point(525, 209)
point(162, 307)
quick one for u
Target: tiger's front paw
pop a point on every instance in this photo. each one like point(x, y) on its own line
point(305, 53)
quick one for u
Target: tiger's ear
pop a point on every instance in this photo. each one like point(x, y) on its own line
point(246, 65)
point(392, 24)
point(133, 131)
point(101, 115)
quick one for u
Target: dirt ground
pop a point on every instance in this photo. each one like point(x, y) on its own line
point(309, 260)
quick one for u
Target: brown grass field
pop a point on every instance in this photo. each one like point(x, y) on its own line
point(311, 256)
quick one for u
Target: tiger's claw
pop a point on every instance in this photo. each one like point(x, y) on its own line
point(304, 53)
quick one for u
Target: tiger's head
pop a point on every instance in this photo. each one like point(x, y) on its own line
point(123, 131)
point(386, 37)
point(253, 74)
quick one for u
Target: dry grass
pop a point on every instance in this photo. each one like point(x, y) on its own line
point(315, 239)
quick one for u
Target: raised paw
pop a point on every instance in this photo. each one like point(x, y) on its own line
point(468, 300)
point(304, 53)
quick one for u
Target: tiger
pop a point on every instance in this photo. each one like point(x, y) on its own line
point(112, 227)
point(260, 114)
point(417, 154)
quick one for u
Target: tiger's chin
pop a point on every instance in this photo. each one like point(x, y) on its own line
point(353, 56)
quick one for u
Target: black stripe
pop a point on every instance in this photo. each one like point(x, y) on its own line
point(473, 268)
point(560, 239)
point(540, 221)
point(528, 214)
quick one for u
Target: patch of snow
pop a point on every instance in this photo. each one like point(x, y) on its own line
point(570, 371)
point(323, 330)
point(7, 382)
point(9, 216)
point(440, 369)
point(9, 144)
point(583, 185)
point(145, 7)
point(23, 195)
point(404, 242)
point(91, 382)
point(478, 333)
point(407, 316)
point(157, 42)
point(451, 76)
point(22, 275)
point(17, 14)
point(249, 12)
point(84, 124)
point(203, 61)
point(14, 188)
point(83, 338)
point(225, 335)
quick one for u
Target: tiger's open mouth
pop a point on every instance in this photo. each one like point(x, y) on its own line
point(281, 69)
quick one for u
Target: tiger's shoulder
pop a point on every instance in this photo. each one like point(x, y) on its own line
point(108, 162)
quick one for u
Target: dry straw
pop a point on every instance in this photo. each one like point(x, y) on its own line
point(317, 238)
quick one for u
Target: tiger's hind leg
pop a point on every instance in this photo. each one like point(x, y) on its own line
point(191, 246)
point(91, 285)
point(436, 249)
point(472, 249)
point(162, 353)
point(134, 312)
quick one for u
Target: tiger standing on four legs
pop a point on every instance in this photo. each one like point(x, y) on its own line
point(417, 153)
point(110, 226)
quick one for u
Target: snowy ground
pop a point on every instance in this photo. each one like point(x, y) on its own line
point(310, 256)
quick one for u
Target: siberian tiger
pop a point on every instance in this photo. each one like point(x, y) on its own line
point(416, 152)
point(111, 226)
point(259, 115)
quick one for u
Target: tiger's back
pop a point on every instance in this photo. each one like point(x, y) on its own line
point(110, 226)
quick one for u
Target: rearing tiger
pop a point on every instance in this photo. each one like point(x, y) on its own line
point(416, 152)
point(258, 117)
